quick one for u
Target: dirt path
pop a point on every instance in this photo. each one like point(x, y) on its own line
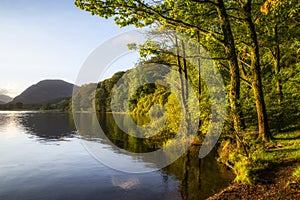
point(273, 185)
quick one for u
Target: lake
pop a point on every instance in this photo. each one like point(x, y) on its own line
point(43, 157)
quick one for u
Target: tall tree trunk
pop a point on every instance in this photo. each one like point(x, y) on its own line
point(233, 65)
point(185, 86)
point(263, 125)
point(180, 69)
point(185, 69)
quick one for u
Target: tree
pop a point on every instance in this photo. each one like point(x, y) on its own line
point(263, 125)
point(230, 50)
point(188, 16)
point(278, 17)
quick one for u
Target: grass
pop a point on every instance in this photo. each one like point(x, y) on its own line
point(284, 148)
point(262, 156)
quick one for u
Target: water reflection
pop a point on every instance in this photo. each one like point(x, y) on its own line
point(48, 126)
point(120, 138)
point(199, 178)
point(67, 171)
point(31, 170)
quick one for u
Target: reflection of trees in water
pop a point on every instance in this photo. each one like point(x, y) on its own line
point(120, 138)
point(91, 128)
point(48, 126)
point(198, 178)
point(87, 126)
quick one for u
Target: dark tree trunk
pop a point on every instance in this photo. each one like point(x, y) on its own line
point(185, 70)
point(263, 125)
point(230, 50)
point(180, 69)
point(185, 85)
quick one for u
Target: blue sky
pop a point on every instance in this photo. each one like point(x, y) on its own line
point(42, 39)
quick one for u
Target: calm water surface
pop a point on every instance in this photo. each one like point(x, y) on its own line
point(42, 157)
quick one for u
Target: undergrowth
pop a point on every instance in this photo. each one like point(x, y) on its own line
point(249, 158)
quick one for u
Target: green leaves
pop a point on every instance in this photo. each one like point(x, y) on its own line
point(204, 21)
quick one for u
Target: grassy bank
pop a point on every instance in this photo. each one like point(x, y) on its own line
point(270, 171)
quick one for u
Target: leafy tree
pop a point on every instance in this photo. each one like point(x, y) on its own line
point(255, 45)
point(173, 14)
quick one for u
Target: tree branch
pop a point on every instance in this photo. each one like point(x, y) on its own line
point(177, 21)
point(244, 79)
point(206, 1)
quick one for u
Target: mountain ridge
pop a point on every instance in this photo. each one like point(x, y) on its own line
point(46, 91)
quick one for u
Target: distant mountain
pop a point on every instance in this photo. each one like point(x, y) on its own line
point(4, 99)
point(50, 91)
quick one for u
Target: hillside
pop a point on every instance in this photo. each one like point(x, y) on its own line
point(50, 91)
point(4, 99)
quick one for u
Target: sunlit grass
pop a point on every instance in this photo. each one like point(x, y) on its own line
point(261, 156)
point(284, 148)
